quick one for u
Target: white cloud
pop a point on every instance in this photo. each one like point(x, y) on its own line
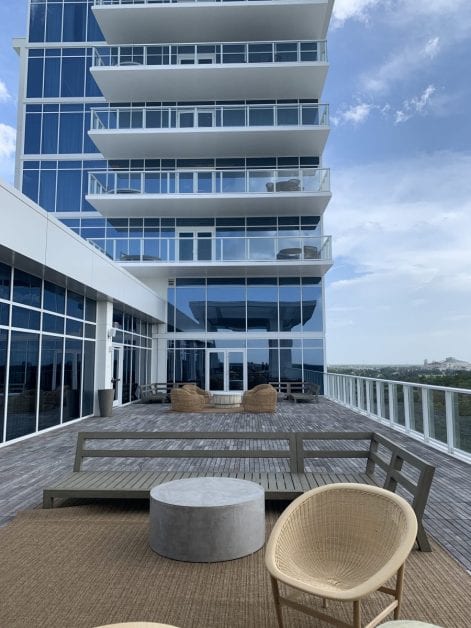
point(406, 227)
point(7, 141)
point(352, 9)
point(4, 93)
point(415, 105)
point(355, 114)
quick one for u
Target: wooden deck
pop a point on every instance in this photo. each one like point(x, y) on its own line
point(27, 467)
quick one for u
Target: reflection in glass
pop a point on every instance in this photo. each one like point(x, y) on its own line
point(226, 306)
point(54, 298)
point(22, 383)
point(88, 378)
point(72, 379)
point(189, 366)
point(216, 370)
point(262, 308)
point(26, 289)
point(190, 308)
point(5, 281)
point(50, 386)
point(3, 367)
point(258, 366)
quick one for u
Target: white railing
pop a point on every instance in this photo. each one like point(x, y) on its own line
point(440, 416)
point(210, 116)
point(211, 53)
point(315, 180)
point(125, 2)
point(189, 248)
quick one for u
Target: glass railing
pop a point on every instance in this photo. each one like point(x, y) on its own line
point(209, 181)
point(438, 415)
point(211, 116)
point(211, 53)
point(213, 248)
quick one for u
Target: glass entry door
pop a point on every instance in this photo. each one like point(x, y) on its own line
point(195, 245)
point(117, 379)
point(226, 370)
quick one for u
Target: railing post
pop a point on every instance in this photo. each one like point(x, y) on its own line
point(379, 399)
point(426, 413)
point(450, 411)
point(406, 391)
point(392, 396)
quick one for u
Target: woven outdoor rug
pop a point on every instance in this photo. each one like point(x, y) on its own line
point(83, 566)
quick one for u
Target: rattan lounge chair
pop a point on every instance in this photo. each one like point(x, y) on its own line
point(341, 542)
point(184, 400)
point(199, 391)
point(261, 398)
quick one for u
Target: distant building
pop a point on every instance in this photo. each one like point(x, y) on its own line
point(448, 364)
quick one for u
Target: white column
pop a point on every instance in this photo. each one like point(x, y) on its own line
point(159, 355)
point(104, 348)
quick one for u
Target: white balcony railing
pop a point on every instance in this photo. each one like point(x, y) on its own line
point(211, 53)
point(214, 249)
point(99, 3)
point(437, 415)
point(310, 180)
point(211, 116)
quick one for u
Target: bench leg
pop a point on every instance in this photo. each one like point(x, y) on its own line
point(48, 501)
point(422, 540)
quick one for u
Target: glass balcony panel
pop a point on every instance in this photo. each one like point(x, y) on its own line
point(287, 115)
point(233, 116)
point(205, 247)
point(185, 183)
point(151, 251)
point(157, 55)
point(233, 53)
point(462, 427)
point(285, 53)
point(121, 249)
point(152, 183)
point(233, 182)
point(261, 248)
point(309, 51)
point(260, 53)
point(310, 115)
point(400, 417)
point(186, 119)
point(385, 398)
point(205, 182)
point(156, 119)
point(261, 181)
point(232, 249)
point(261, 116)
point(125, 119)
point(416, 415)
point(205, 119)
point(185, 247)
point(311, 180)
point(288, 181)
point(437, 424)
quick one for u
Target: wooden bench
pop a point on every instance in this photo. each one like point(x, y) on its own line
point(297, 391)
point(384, 464)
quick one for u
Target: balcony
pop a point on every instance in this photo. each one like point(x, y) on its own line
point(143, 21)
point(194, 252)
point(209, 192)
point(218, 131)
point(226, 71)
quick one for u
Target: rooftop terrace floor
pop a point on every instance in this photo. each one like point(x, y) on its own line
point(28, 466)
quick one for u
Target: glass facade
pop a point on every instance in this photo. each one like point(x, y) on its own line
point(47, 354)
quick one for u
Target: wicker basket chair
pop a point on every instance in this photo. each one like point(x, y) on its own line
point(196, 389)
point(186, 400)
point(341, 542)
point(261, 398)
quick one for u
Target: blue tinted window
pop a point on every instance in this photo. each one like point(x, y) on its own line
point(26, 318)
point(35, 78)
point(52, 77)
point(26, 289)
point(54, 298)
point(50, 382)
point(90, 310)
point(72, 379)
point(4, 313)
point(73, 328)
point(30, 184)
point(47, 190)
point(74, 304)
point(36, 22)
point(312, 308)
point(50, 124)
point(75, 22)
point(71, 133)
point(53, 324)
point(23, 374)
point(73, 74)
point(94, 32)
point(32, 133)
point(5, 281)
point(69, 185)
point(54, 22)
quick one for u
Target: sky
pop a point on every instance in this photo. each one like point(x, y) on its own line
point(399, 90)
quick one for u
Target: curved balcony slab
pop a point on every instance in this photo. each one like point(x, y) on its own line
point(265, 81)
point(126, 23)
point(214, 142)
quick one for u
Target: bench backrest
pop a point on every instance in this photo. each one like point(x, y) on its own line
point(390, 460)
point(114, 450)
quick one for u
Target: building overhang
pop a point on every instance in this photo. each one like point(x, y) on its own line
point(154, 205)
point(209, 21)
point(238, 81)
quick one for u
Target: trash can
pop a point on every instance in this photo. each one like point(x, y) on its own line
point(105, 401)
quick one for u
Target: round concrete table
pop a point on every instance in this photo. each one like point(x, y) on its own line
point(407, 623)
point(227, 399)
point(206, 520)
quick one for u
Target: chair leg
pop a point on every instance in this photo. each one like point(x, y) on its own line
point(276, 596)
point(399, 588)
point(357, 614)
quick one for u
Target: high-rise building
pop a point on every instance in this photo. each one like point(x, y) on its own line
point(185, 140)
